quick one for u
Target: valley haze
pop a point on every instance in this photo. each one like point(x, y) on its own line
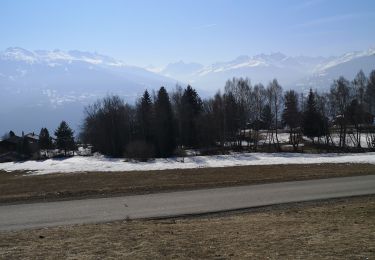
point(41, 88)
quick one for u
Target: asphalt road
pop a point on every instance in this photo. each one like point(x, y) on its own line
point(35, 215)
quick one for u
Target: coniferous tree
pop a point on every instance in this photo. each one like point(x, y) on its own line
point(370, 93)
point(313, 124)
point(355, 115)
point(370, 108)
point(191, 106)
point(64, 137)
point(165, 140)
point(45, 140)
point(291, 116)
point(145, 117)
point(291, 113)
point(176, 101)
point(11, 134)
point(309, 117)
point(208, 130)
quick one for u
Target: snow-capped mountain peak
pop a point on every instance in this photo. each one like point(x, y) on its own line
point(243, 62)
point(56, 56)
point(19, 54)
point(273, 57)
point(291, 71)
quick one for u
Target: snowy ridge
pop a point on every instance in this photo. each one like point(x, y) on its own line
point(104, 164)
point(274, 59)
point(314, 64)
point(344, 58)
point(292, 72)
point(55, 56)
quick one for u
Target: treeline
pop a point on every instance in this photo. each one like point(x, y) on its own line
point(162, 124)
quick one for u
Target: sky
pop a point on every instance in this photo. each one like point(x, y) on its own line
point(157, 32)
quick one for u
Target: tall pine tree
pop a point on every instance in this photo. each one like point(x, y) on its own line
point(64, 137)
point(45, 140)
point(145, 118)
point(291, 116)
point(191, 108)
point(370, 93)
point(314, 124)
point(165, 140)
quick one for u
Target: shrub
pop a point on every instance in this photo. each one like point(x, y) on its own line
point(180, 152)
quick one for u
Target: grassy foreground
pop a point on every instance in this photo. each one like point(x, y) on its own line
point(18, 187)
point(338, 229)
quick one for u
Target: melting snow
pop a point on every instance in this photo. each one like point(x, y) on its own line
point(101, 163)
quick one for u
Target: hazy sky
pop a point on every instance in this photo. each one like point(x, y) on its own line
point(157, 32)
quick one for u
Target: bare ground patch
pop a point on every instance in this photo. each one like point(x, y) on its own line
point(16, 187)
point(338, 229)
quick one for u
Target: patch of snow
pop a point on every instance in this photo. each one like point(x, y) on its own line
point(344, 58)
point(350, 141)
point(251, 63)
point(154, 69)
point(105, 164)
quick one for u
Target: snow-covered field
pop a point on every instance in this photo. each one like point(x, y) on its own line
point(101, 163)
point(284, 138)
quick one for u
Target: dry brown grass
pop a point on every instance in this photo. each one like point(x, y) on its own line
point(340, 229)
point(17, 187)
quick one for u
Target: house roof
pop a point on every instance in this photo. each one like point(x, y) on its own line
point(32, 136)
point(17, 139)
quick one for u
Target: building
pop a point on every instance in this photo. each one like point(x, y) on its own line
point(22, 147)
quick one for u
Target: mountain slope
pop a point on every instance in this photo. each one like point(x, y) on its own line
point(347, 65)
point(42, 87)
point(299, 72)
point(72, 71)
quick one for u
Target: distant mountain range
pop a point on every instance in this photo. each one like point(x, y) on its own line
point(41, 88)
point(74, 72)
point(301, 72)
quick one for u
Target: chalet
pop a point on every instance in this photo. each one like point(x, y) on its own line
point(19, 147)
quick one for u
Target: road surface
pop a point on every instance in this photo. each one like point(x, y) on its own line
point(35, 215)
